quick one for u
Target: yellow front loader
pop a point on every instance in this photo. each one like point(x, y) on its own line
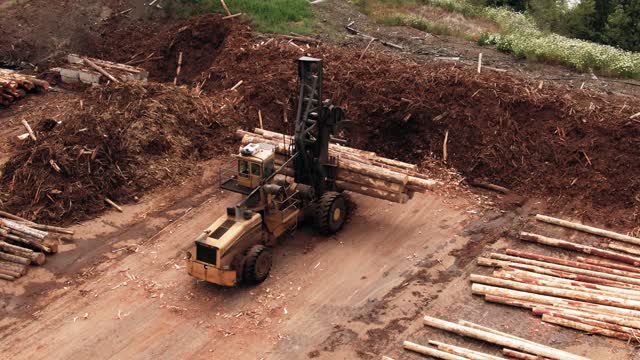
point(237, 247)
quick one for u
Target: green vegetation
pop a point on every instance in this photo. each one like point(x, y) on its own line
point(274, 16)
point(610, 22)
point(406, 13)
point(530, 34)
point(424, 24)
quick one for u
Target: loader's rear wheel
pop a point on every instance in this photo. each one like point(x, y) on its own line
point(331, 213)
point(257, 264)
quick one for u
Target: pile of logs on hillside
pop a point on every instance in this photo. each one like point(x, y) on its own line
point(14, 86)
point(598, 296)
point(94, 71)
point(358, 171)
point(24, 243)
point(512, 346)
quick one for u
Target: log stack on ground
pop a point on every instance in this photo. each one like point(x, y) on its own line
point(14, 86)
point(508, 343)
point(24, 243)
point(594, 296)
point(358, 171)
point(588, 229)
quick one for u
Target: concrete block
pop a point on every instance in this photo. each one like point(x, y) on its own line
point(89, 77)
point(70, 74)
point(70, 80)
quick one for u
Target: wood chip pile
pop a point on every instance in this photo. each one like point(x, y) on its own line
point(593, 295)
point(358, 171)
point(14, 86)
point(24, 243)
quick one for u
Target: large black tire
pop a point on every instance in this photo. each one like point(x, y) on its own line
point(330, 213)
point(257, 264)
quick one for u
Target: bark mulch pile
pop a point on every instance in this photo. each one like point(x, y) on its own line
point(118, 143)
point(577, 149)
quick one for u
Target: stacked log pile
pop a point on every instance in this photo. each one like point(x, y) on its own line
point(14, 86)
point(358, 171)
point(24, 243)
point(596, 296)
point(512, 346)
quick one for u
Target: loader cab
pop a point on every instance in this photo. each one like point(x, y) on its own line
point(254, 164)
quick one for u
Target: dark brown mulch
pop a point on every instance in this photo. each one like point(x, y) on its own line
point(123, 141)
point(577, 149)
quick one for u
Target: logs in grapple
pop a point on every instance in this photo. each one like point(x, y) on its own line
point(358, 171)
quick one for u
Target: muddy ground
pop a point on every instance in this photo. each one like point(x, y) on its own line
point(119, 290)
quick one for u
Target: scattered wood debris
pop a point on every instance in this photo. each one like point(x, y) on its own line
point(350, 28)
point(14, 86)
point(231, 16)
point(24, 243)
point(489, 186)
point(113, 204)
point(226, 8)
point(29, 130)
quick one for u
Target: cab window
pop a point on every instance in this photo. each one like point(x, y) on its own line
point(243, 168)
point(255, 169)
point(268, 168)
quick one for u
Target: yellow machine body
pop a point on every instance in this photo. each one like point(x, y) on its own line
point(222, 244)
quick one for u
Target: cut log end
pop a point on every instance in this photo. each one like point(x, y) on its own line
point(40, 258)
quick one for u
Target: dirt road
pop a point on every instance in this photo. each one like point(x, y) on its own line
point(144, 305)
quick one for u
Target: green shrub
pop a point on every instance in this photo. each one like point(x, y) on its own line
point(277, 16)
point(487, 39)
point(424, 24)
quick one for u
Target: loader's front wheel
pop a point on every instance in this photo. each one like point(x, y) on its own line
point(257, 264)
point(331, 213)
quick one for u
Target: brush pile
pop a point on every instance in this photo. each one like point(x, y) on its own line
point(24, 243)
point(14, 86)
point(358, 171)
